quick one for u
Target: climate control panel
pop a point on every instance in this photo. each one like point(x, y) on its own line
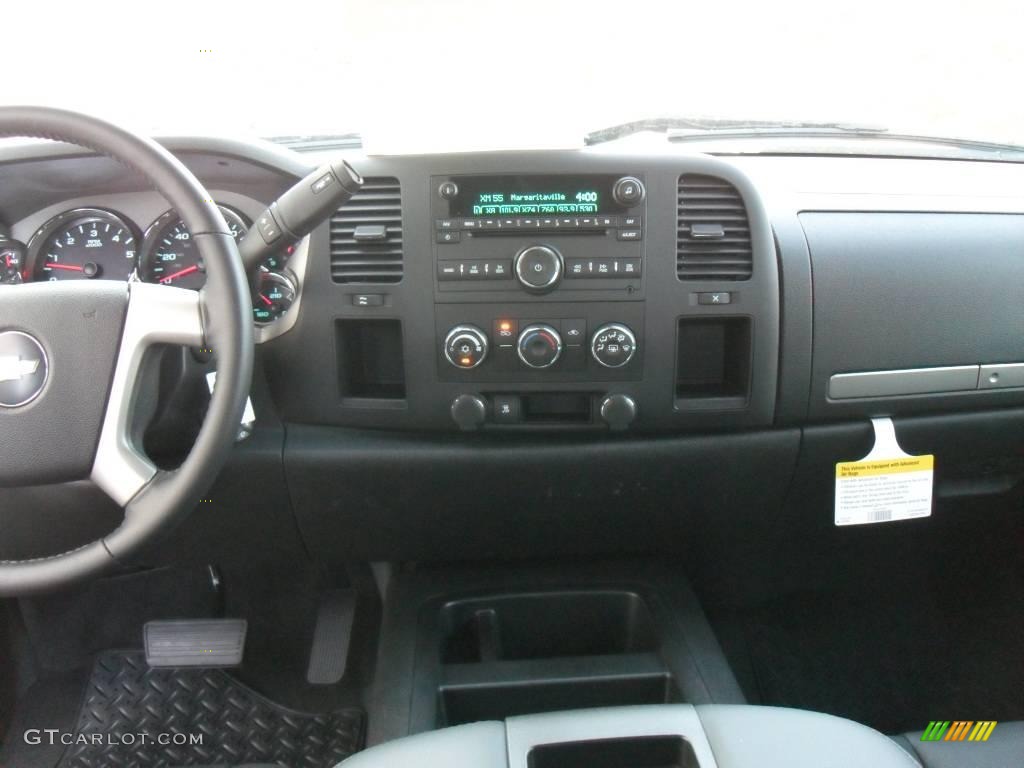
point(568, 343)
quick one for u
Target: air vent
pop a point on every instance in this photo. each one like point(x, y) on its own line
point(366, 235)
point(713, 234)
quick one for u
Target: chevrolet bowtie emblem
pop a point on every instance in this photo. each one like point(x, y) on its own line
point(13, 368)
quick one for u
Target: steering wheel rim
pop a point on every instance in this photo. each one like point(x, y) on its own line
point(218, 317)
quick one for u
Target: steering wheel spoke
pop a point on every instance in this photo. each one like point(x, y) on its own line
point(156, 314)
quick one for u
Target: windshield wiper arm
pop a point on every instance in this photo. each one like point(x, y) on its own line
point(311, 142)
point(677, 127)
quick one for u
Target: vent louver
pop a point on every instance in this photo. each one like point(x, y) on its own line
point(713, 232)
point(366, 235)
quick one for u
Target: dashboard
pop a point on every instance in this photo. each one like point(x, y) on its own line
point(85, 243)
point(604, 289)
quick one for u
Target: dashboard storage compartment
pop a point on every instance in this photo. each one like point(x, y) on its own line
point(713, 361)
point(371, 365)
point(524, 653)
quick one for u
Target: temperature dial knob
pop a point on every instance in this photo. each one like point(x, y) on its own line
point(613, 345)
point(540, 346)
point(465, 346)
point(538, 268)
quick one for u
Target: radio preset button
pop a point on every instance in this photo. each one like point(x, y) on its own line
point(474, 269)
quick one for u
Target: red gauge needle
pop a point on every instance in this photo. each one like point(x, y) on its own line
point(266, 301)
point(179, 273)
point(69, 267)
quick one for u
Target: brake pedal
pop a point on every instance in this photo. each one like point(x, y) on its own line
point(329, 655)
point(195, 643)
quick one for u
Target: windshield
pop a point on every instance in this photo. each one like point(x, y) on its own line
point(423, 76)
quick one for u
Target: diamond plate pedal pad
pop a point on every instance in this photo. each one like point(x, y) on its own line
point(199, 643)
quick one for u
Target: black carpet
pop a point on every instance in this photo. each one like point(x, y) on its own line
point(893, 656)
point(125, 701)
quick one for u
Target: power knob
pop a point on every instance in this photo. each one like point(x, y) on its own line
point(538, 268)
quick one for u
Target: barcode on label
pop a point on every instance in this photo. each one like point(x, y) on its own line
point(881, 516)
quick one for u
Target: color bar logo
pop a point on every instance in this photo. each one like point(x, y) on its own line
point(958, 730)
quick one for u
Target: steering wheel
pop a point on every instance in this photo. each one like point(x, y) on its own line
point(71, 353)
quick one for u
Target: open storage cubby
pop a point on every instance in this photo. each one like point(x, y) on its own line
point(527, 653)
point(634, 752)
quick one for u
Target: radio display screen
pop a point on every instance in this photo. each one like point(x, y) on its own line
point(533, 195)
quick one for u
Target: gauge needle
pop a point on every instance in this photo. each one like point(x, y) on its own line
point(179, 273)
point(266, 301)
point(69, 267)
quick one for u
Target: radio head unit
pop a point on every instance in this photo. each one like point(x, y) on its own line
point(539, 234)
point(550, 195)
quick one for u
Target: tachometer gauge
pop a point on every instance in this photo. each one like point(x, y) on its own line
point(85, 243)
point(170, 256)
point(12, 257)
point(275, 295)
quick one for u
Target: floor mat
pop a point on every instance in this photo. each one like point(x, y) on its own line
point(896, 659)
point(129, 709)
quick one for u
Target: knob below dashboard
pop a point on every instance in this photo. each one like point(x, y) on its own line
point(613, 345)
point(539, 346)
point(538, 268)
point(618, 411)
point(465, 346)
point(469, 412)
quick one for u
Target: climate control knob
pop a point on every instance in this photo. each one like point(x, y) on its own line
point(465, 346)
point(613, 345)
point(540, 346)
point(538, 268)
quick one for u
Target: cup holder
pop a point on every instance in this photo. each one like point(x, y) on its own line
point(518, 654)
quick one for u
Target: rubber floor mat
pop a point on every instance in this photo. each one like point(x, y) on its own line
point(133, 716)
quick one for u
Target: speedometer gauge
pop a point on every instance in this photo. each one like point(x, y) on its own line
point(170, 256)
point(85, 243)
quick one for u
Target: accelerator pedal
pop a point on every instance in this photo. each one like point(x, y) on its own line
point(195, 643)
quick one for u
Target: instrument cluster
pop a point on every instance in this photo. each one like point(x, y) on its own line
point(97, 243)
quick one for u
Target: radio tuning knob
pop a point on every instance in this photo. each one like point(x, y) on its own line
point(628, 191)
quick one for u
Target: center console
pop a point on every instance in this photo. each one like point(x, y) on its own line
point(539, 280)
point(667, 736)
point(566, 290)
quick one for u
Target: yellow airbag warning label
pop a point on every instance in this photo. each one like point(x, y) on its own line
point(881, 490)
